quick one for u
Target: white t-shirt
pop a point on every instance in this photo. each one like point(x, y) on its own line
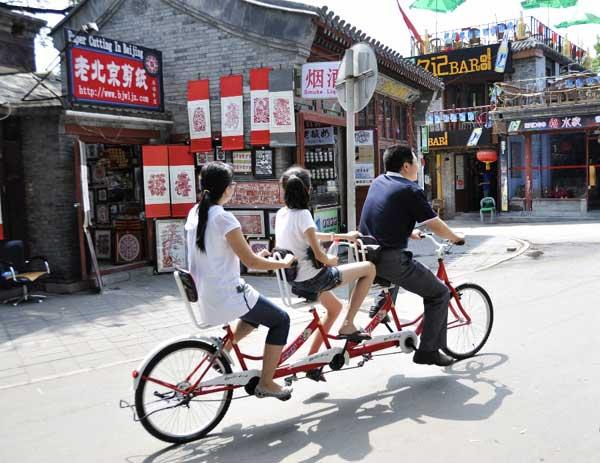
point(290, 225)
point(216, 272)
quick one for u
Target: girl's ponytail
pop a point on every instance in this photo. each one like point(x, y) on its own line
point(296, 186)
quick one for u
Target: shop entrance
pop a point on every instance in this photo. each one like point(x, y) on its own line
point(116, 204)
point(473, 182)
point(594, 172)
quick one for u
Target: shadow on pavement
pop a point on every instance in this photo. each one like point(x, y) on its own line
point(341, 427)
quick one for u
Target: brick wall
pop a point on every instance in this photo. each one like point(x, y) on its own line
point(194, 48)
point(49, 184)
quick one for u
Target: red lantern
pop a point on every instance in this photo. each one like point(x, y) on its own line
point(487, 156)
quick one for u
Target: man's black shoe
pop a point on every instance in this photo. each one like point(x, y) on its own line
point(435, 357)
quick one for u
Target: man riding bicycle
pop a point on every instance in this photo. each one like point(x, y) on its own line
point(394, 205)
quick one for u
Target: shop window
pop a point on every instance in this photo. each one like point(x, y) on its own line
point(562, 166)
point(387, 106)
point(366, 117)
point(379, 112)
point(516, 169)
point(400, 121)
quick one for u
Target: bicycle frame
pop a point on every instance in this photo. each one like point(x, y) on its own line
point(323, 357)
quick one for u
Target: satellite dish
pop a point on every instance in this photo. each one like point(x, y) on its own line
point(359, 69)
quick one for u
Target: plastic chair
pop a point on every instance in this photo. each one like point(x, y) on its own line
point(488, 204)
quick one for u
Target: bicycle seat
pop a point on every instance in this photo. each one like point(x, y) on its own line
point(382, 282)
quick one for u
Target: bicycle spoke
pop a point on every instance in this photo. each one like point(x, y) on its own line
point(177, 415)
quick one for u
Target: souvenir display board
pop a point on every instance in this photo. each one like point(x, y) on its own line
point(171, 252)
point(252, 222)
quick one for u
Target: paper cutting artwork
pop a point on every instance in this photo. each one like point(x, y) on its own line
point(261, 111)
point(282, 112)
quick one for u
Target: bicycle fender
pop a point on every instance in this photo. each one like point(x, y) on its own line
point(213, 341)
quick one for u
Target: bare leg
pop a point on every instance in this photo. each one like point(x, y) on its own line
point(241, 330)
point(271, 358)
point(364, 273)
point(333, 306)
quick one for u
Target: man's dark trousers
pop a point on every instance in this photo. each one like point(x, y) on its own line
point(398, 266)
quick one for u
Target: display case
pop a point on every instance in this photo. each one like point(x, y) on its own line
point(321, 158)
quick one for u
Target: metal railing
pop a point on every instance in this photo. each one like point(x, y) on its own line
point(570, 88)
point(492, 33)
point(459, 118)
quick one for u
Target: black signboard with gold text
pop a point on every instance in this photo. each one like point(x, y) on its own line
point(463, 61)
point(456, 139)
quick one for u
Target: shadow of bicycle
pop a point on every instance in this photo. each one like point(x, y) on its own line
point(341, 427)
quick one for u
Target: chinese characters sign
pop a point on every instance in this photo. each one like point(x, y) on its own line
point(462, 61)
point(554, 123)
point(318, 80)
point(111, 72)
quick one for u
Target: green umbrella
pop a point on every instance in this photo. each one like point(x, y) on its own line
point(588, 19)
point(528, 4)
point(439, 6)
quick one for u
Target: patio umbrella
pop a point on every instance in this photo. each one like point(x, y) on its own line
point(587, 19)
point(530, 4)
point(439, 6)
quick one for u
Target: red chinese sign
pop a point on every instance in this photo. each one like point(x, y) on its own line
point(111, 72)
point(318, 80)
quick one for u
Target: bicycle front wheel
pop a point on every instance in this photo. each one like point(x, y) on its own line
point(470, 319)
point(173, 416)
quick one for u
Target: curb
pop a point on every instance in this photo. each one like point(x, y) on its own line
point(524, 247)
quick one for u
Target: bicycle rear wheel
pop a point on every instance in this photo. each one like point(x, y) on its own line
point(172, 416)
point(469, 328)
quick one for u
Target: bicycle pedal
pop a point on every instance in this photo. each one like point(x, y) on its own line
point(290, 379)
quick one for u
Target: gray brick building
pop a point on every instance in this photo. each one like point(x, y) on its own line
point(198, 39)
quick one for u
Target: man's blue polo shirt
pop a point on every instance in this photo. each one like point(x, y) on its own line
point(393, 207)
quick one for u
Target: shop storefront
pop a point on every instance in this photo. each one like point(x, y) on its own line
point(552, 165)
point(454, 171)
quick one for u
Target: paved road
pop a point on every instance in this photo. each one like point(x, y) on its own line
point(531, 396)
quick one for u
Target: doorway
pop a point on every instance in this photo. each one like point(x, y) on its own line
point(473, 182)
point(594, 173)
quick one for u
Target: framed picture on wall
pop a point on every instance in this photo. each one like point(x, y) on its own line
point(263, 164)
point(102, 214)
point(128, 246)
point(242, 162)
point(219, 154)
point(253, 222)
point(271, 218)
point(103, 240)
point(102, 195)
point(257, 246)
point(204, 158)
point(171, 250)
point(99, 174)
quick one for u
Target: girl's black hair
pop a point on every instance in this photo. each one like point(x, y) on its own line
point(215, 177)
point(296, 187)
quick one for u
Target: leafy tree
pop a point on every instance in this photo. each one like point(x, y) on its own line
point(596, 60)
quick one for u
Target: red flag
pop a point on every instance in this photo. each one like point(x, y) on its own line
point(410, 25)
point(183, 180)
point(259, 106)
point(232, 114)
point(199, 115)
